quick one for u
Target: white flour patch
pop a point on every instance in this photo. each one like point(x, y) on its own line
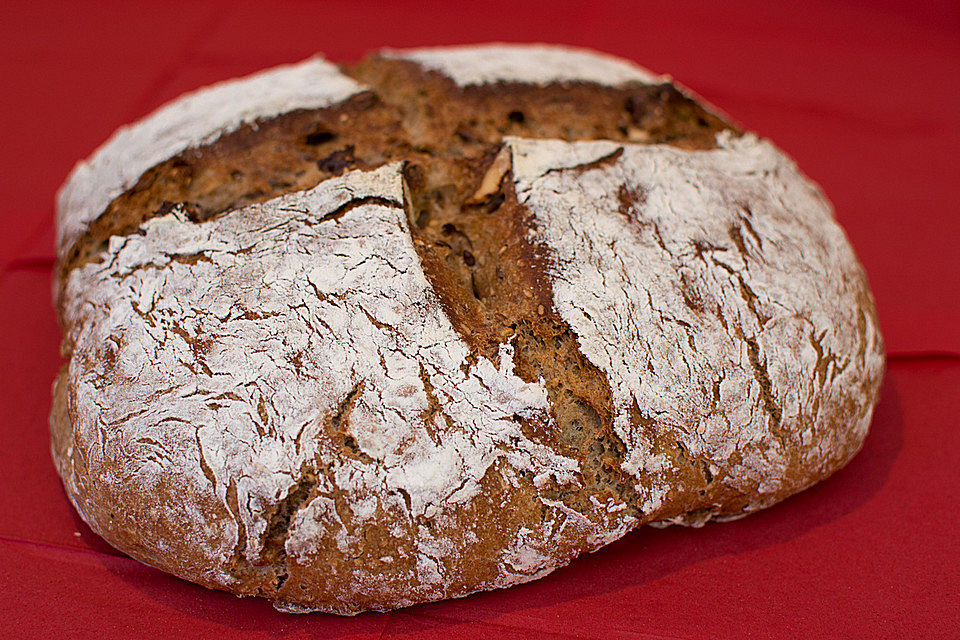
point(533, 64)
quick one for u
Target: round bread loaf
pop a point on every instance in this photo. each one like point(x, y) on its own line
point(359, 338)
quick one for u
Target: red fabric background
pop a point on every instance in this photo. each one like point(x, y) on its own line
point(866, 97)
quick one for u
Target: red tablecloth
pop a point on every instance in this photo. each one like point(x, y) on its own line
point(865, 95)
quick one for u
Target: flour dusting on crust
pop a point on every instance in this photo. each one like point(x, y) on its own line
point(189, 121)
point(532, 64)
point(215, 353)
point(714, 290)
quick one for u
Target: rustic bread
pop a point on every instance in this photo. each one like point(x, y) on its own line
point(360, 338)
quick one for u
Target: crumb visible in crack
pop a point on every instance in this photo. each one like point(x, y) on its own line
point(631, 199)
point(350, 205)
point(239, 557)
point(759, 368)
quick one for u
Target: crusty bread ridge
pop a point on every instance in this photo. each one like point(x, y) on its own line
point(355, 339)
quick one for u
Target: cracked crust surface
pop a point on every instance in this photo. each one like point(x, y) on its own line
point(369, 353)
point(187, 122)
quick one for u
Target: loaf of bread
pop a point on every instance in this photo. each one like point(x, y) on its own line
point(359, 338)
